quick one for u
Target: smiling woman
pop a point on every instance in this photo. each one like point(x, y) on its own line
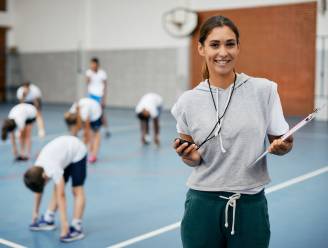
point(227, 118)
point(220, 55)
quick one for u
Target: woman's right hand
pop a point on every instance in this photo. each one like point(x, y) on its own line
point(189, 154)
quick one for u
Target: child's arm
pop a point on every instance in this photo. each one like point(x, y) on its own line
point(13, 142)
point(37, 203)
point(61, 199)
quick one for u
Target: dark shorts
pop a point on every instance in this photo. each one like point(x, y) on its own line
point(95, 125)
point(30, 121)
point(77, 171)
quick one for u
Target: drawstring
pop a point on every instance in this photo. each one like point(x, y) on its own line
point(221, 144)
point(232, 201)
point(217, 112)
point(220, 136)
point(221, 121)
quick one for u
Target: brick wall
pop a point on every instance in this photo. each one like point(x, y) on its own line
point(277, 42)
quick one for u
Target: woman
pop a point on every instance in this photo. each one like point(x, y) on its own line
point(227, 118)
point(21, 117)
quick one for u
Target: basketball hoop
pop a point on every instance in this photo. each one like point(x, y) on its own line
point(180, 21)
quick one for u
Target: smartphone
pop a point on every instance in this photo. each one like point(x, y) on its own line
point(182, 141)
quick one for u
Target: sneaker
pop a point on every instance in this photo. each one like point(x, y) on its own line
point(42, 225)
point(21, 158)
point(72, 235)
point(92, 159)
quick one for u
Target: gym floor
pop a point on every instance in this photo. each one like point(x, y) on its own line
point(135, 195)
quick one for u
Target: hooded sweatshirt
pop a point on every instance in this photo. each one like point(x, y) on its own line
point(254, 112)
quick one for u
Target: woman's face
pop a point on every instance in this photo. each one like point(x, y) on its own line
point(220, 50)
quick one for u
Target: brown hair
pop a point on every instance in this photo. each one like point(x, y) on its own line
point(8, 126)
point(70, 118)
point(34, 180)
point(95, 60)
point(26, 83)
point(208, 26)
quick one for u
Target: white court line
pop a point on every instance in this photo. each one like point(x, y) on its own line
point(147, 235)
point(177, 225)
point(296, 180)
point(10, 244)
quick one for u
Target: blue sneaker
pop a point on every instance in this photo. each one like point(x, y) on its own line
point(72, 235)
point(42, 225)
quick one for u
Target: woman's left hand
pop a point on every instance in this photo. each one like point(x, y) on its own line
point(279, 147)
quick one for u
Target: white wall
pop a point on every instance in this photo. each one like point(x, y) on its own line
point(228, 4)
point(128, 24)
point(45, 25)
point(61, 25)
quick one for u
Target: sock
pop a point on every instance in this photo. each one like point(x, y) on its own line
point(77, 224)
point(49, 216)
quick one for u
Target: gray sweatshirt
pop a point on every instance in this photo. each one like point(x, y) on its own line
point(254, 112)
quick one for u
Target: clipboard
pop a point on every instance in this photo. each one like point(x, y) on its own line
point(294, 129)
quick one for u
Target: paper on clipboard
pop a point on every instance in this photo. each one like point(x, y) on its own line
point(299, 125)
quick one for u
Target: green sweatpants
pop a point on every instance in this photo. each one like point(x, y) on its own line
point(203, 224)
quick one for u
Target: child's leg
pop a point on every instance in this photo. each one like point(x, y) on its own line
point(79, 202)
point(40, 124)
point(144, 131)
point(22, 142)
point(95, 138)
point(104, 121)
point(53, 201)
point(28, 134)
point(156, 130)
point(78, 175)
point(91, 139)
point(95, 143)
point(52, 208)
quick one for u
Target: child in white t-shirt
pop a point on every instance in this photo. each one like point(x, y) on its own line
point(86, 114)
point(149, 107)
point(20, 118)
point(96, 79)
point(61, 159)
point(30, 93)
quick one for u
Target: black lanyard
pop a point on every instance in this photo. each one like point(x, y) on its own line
point(219, 117)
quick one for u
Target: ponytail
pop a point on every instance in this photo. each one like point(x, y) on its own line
point(205, 73)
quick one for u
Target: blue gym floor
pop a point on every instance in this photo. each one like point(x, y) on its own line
point(134, 190)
